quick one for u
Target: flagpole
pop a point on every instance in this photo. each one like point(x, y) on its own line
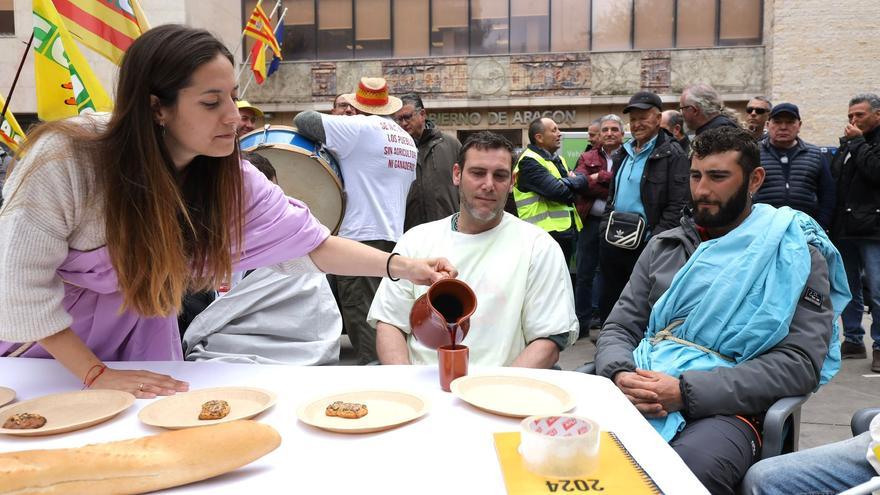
point(241, 43)
point(251, 78)
point(17, 73)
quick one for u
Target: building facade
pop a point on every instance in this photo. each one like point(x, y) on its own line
point(496, 64)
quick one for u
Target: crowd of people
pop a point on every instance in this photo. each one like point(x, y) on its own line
point(712, 257)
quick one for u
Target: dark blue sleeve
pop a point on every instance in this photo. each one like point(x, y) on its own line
point(826, 194)
point(532, 177)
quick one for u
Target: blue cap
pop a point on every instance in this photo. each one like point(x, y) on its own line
point(785, 108)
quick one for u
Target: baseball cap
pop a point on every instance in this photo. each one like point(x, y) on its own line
point(785, 108)
point(644, 100)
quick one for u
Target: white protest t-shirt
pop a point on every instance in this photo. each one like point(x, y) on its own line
point(378, 163)
point(516, 270)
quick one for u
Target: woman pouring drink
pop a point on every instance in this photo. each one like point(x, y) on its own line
point(109, 219)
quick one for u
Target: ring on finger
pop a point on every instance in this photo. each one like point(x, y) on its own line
point(141, 387)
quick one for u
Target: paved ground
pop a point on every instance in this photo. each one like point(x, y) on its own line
point(825, 417)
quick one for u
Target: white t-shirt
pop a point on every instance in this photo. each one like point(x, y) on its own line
point(378, 162)
point(517, 271)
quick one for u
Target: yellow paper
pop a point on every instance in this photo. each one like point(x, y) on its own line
point(618, 472)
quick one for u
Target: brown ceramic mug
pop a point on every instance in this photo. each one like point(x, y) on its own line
point(453, 361)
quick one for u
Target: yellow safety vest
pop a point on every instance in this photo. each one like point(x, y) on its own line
point(551, 216)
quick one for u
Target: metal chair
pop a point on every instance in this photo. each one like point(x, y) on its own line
point(782, 423)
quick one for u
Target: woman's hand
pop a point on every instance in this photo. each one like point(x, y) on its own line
point(422, 271)
point(143, 384)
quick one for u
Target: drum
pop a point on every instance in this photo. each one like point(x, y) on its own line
point(305, 170)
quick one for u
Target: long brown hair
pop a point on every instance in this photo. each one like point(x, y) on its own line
point(166, 231)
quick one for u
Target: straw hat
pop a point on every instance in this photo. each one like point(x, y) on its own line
point(372, 97)
point(244, 104)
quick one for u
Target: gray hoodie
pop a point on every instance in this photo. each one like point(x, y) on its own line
point(792, 367)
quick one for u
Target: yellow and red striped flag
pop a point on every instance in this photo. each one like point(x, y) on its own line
point(66, 85)
point(258, 57)
point(107, 26)
point(259, 28)
point(258, 62)
point(10, 132)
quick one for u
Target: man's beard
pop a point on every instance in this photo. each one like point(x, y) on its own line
point(727, 212)
point(485, 216)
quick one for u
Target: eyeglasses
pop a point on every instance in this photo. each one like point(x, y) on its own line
point(344, 105)
point(757, 110)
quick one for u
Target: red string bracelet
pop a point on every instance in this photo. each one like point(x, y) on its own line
point(88, 383)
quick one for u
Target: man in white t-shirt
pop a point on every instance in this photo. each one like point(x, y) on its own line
point(378, 163)
point(525, 306)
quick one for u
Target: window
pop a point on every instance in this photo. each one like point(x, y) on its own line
point(380, 29)
point(7, 17)
point(612, 23)
point(695, 23)
point(569, 25)
point(489, 27)
point(529, 26)
point(299, 30)
point(653, 24)
point(449, 29)
point(411, 37)
point(372, 29)
point(335, 33)
point(740, 22)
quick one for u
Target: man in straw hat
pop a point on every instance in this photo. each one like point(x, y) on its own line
point(378, 160)
point(248, 115)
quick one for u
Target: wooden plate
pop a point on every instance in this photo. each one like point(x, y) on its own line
point(513, 396)
point(385, 410)
point(68, 411)
point(6, 396)
point(182, 410)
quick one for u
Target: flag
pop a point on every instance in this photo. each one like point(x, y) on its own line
point(258, 62)
point(259, 28)
point(258, 57)
point(10, 132)
point(276, 60)
point(108, 27)
point(66, 85)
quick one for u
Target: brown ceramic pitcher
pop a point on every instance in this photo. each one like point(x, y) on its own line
point(442, 315)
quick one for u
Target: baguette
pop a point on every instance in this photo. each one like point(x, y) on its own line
point(138, 465)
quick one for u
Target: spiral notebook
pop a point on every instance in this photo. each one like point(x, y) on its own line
point(619, 472)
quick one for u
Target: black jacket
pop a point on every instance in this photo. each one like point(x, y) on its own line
point(856, 167)
point(804, 183)
point(533, 177)
point(664, 187)
point(716, 122)
point(685, 143)
point(432, 195)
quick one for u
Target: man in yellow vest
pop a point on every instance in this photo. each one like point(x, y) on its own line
point(545, 187)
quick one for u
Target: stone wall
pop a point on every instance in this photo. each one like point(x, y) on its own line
point(820, 54)
point(518, 80)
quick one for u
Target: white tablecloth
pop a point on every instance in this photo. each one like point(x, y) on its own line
point(450, 450)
